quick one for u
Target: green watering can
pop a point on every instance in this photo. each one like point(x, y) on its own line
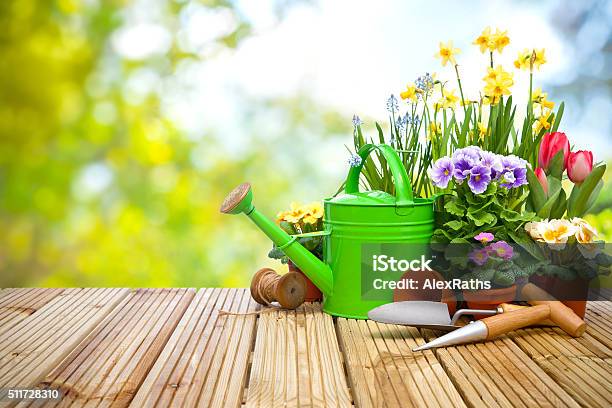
point(352, 219)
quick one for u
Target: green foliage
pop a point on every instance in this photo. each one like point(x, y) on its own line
point(468, 214)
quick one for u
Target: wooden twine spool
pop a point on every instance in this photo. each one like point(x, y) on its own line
point(288, 290)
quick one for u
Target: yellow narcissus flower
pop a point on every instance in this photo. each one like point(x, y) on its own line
point(482, 129)
point(586, 232)
point(447, 53)
point(499, 40)
point(448, 100)
point(434, 130)
point(539, 97)
point(484, 40)
point(543, 121)
point(522, 61)
point(540, 58)
point(498, 83)
point(409, 93)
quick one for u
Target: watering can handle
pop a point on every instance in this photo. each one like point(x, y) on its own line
point(403, 189)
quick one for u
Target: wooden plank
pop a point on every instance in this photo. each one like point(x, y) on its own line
point(581, 369)
point(599, 323)
point(18, 304)
point(35, 345)
point(383, 370)
point(291, 346)
point(205, 360)
point(110, 364)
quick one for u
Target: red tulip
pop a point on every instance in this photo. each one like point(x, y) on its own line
point(539, 172)
point(551, 144)
point(579, 165)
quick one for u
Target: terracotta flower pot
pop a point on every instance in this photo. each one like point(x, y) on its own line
point(488, 299)
point(434, 295)
point(573, 293)
point(313, 294)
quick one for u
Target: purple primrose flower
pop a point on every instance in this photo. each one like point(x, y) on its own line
point(442, 172)
point(480, 176)
point(484, 237)
point(501, 249)
point(462, 165)
point(492, 161)
point(479, 256)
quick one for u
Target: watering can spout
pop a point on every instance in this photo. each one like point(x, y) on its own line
point(240, 200)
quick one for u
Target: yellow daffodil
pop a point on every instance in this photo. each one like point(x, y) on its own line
point(522, 61)
point(498, 83)
point(449, 100)
point(499, 40)
point(543, 121)
point(409, 93)
point(484, 40)
point(539, 97)
point(540, 58)
point(434, 130)
point(482, 129)
point(467, 102)
point(447, 53)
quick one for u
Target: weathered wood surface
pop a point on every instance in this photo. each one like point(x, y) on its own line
point(178, 347)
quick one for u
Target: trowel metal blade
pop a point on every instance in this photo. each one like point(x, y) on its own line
point(418, 313)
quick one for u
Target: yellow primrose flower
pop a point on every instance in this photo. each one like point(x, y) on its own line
point(540, 58)
point(309, 219)
point(553, 232)
point(482, 129)
point(522, 61)
point(484, 40)
point(295, 214)
point(281, 216)
point(499, 40)
point(447, 53)
point(315, 210)
point(543, 121)
point(585, 231)
point(539, 97)
point(498, 83)
point(409, 93)
point(557, 231)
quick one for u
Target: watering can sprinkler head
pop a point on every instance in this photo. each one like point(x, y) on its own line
point(239, 200)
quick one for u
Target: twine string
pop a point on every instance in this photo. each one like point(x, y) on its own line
point(265, 290)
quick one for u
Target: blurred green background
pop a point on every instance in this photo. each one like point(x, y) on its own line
point(123, 124)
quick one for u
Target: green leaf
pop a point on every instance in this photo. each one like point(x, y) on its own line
point(558, 209)
point(554, 189)
point(521, 238)
point(455, 207)
point(558, 116)
point(537, 198)
point(481, 218)
point(455, 225)
point(581, 193)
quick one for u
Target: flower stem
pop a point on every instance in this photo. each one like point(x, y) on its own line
point(460, 90)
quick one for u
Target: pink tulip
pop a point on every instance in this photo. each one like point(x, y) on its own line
point(579, 165)
point(539, 172)
point(551, 144)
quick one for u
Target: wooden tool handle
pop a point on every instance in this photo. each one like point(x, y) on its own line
point(561, 315)
point(509, 307)
point(506, 322)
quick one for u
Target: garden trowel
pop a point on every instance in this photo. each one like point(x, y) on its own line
point(428, 315)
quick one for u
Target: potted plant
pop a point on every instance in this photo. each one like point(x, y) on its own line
point(302, 221)
point(567, 242)
point(482, 212)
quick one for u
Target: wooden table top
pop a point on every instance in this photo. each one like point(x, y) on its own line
point(172, 347)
